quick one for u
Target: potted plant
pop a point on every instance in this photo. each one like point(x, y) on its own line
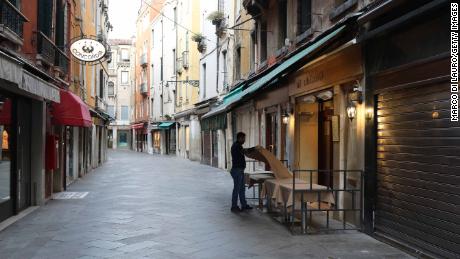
point(216, 17)
point(201, 40)
point(198, 37)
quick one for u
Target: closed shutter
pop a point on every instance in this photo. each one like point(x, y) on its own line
point(206, 148)
point(418, 170)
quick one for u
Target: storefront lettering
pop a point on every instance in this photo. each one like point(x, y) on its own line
point(309, 78)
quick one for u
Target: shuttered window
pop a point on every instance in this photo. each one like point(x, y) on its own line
point(45, 17)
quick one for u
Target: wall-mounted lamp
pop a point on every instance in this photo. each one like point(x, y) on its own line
point(354, 97)
point(369, 113)
point(351, 111)
point(286, 118)
point(287, 114)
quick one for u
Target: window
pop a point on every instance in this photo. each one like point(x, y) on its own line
point(111, 110)
point(45, 14)
point(93, 81)
point(124, 77)
point(204, 81)
point(221, 6)
point(124, 113)
point(224, 59)
point(174, 60)
point(112, 64)
point(253, 50)
point(282, 23)
point(175, 17)
point(101, 83)
point(124, 55)
point(238, 63)
point(161, 69)
point(303, 16)
point(263, 41)
point(93, 9)
point(111, 89)
point(6, 153)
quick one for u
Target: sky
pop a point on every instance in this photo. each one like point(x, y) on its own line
point(122, 15)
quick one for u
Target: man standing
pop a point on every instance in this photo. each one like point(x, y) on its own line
point(237, 172)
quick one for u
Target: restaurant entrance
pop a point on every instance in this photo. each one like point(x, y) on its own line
point(314, 145)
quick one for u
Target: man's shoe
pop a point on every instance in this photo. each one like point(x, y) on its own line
point(235, 209)
point(247, 207)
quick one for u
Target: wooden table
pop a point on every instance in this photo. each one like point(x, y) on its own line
point(258, 177)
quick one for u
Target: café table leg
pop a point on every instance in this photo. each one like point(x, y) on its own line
point(261, 202)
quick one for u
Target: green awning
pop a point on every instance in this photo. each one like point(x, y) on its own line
point(291, 63)
point(214, 123)
point(283, 67)
point(165, 125)
point(232, 97)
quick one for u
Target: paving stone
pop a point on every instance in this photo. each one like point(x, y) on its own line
point(104, 244)
point(144, 206)
point(137, 246)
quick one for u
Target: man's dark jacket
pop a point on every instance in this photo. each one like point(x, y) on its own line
point(238, 160)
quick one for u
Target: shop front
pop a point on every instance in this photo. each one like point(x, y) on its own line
point(412, 155)
point(70, 119)
point(140, 133)
point(214, 146)
point(23, 99)
point(324, 134)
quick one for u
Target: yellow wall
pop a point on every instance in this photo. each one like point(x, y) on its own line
point(75, 80)
point(89, 29)
point(193, 72)
point(243, 37)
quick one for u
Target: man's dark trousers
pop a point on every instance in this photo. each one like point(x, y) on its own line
point(238, 187)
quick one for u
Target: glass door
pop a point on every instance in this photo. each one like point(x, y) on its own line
point(6, 200)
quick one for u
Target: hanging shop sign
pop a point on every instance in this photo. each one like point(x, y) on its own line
point(88, 50)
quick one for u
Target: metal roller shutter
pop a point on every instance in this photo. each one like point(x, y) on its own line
point(418, 170)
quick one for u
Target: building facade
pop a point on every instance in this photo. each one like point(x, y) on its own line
point(42, 117)
point(120, 88)
point(164, 79)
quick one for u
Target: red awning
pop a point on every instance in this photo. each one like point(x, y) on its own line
point(72, 111)
point(138, 126)
point(5, 113)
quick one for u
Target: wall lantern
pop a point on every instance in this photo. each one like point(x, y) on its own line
point(351, 111)
point(287, 114)
point(286, 118)
point(354, 97)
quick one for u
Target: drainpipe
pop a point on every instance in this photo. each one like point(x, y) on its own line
point(162, 66)
point(218, 61)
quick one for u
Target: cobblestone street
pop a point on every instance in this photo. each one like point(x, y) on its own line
point(140, 205)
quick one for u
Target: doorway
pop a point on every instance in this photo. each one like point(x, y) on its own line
point(325, 146)
point(314, 134)
point(6, 157)
point(271, 135)
point(24, 120)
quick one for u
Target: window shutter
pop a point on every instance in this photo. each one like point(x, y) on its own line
point(45, 17)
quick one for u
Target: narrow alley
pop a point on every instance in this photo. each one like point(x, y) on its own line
point(166, 207)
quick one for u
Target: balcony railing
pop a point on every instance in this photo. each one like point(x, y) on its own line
point(46, 48)
point(61, 60)
point(143, 88)
point(12, 18)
